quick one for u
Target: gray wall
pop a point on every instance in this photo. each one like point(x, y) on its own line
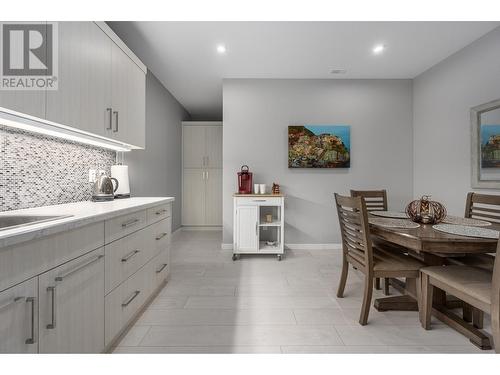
point(156, 171)
point(442, 98)
point(256, 116)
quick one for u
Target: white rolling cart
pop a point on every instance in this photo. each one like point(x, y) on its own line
point(252, 233)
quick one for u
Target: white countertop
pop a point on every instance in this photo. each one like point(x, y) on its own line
point(83, 213)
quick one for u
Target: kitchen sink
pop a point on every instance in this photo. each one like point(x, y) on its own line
point(14, 221)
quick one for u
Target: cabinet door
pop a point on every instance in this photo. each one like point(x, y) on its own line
point(19, 318)
point(213, 193)
point(134, 131)
point(193, 197)
point(247, 221)
point(128, 99)
point(214, 146)
point(72, 306)
point(30, 102)
point(83, 97)
point(194, 149)
point(118, 90)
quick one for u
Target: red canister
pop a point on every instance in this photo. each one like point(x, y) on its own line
point(244, 181)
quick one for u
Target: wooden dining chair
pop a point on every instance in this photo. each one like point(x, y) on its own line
point(376, 200)
point(357, 250)
point(475, 286)
point(483, 207)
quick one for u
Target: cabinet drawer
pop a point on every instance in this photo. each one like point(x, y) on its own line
point(23, 261)
point(19, 318)
point(125, 256)
point(161, 267)
point(159, 212)
point(159, 236)
point(123, 225)
point(257, 201)
point(124, 302)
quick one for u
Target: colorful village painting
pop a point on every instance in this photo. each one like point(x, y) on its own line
point(490, 146)
point(319, 146)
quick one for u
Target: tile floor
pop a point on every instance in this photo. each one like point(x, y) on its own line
point(259, 305)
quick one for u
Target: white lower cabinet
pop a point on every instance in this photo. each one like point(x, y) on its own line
point(19, 318)
point(67, 293)
point(71, 316)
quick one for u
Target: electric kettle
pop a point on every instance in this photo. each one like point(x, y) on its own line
point(104, 189)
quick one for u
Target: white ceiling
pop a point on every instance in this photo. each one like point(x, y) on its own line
point(183, 54)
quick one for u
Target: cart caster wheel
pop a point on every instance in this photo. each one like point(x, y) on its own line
point(235, 257)
point(279, 258)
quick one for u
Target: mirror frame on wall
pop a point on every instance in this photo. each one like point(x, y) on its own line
point(475, 120)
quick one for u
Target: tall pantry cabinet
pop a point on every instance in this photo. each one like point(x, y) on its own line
point(202, 173)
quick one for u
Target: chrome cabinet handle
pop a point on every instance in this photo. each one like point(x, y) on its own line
point(110, 123)
point(161, 212)
point(79, 268)
point(52, 324)
point(258, 200)
point(12, 302)
point(130, 255)
point(256, 228)
point(207, 175)
point(116, 121)
point(32, 339)
point(131, 298)
point(159, 237)
point(130, 223)
point(162, 268)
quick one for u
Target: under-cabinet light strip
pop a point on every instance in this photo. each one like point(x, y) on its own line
point(35, 125)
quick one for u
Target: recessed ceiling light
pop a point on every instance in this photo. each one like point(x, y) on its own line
point(338, 71)
point(221, 48)
point(378, 49)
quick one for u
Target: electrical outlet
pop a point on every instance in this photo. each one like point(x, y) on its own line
point(92, 175)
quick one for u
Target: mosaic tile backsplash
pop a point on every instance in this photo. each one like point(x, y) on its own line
point(37, 170)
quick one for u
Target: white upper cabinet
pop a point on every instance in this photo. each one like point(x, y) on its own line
point(101, 86)
point(30, 102)
point(83, 98)
point(193, 149)
point(128, 99)
point(202, 144)
point(214, 146)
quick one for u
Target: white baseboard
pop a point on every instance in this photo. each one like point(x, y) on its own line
point(298, 246)
point(188, 228)
point(313, 246)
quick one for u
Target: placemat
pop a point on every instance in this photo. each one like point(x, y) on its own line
point(391, 214)
point(465, 221)
point(393, 223)
point(468, 231)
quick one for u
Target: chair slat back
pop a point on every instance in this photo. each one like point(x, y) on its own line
point(483, 207)
point(355, 231)
point(495, 286)
point(376, 200)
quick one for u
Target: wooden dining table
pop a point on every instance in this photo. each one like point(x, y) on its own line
point(433, 248)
